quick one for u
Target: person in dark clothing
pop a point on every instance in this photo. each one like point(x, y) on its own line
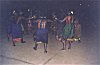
point(41, 35)
point(15, 30)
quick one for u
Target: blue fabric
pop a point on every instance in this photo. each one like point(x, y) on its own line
point(15, 30)
point(42, 35)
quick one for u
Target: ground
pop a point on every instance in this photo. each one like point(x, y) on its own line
point(84, 53)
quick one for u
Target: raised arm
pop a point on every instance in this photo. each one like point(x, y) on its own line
point(64, 19)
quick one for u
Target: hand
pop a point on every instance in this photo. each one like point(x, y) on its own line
point(61, 20)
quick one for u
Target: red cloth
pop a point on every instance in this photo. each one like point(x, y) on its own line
point(17, 39)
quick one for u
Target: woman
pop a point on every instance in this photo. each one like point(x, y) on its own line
point(67, 31)
point(15, 30)
point(41, 34)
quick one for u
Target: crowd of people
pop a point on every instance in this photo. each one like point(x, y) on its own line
point(66, 31)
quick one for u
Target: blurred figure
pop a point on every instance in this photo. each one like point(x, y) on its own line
point(77, 30)
point(29, 26)
point(54, 24)
point(15, 30)
point(54, 27)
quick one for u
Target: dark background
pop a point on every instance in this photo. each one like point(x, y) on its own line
point(87, 13)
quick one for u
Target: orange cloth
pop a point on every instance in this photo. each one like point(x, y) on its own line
point(44, 22)
point(39, 23)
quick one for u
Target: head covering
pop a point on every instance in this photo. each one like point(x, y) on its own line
point(70, 13)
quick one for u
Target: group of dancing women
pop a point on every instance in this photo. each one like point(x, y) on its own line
point(66, 34)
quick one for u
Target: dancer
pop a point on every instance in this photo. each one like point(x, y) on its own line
point(77, 31)
point(41, 35)
point(15, 30)
point(67, 31)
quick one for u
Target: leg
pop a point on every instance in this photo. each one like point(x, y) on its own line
point(57, 37)
point(35, 47)
point(52, 32)
point(45, 47)
point(63, 42)
point(8, 37)
point(69, 42)
point(63, 46)
point(14, 43)
point(22, 41)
